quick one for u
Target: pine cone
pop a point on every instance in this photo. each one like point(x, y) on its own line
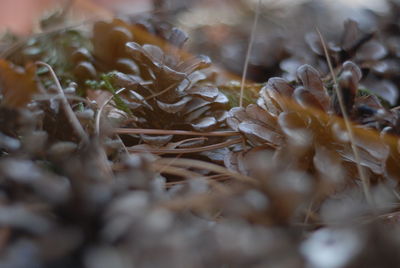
point(175, 91)
point(374, 52)
point(166, 88)
point(298, 120)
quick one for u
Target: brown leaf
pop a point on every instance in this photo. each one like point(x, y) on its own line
point(17, 84)
point(109, 40)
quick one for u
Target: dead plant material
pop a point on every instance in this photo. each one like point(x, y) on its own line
point(121, 148)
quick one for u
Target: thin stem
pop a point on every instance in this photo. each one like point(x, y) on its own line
point(99, 112)
point(246, 61)
point(161, 92)
point(361, 172)
point(76, 125)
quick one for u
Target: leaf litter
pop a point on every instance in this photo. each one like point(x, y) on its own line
point(122, 149)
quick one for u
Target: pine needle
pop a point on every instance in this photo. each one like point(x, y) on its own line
point(360, 169)
point(186, 150)
point(177, 171)
point(174, 132)
point(246, 61)
point(182, 162)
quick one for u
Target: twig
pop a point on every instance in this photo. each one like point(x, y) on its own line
point(246, 61)
point(174, 132)
point(363, 176)
point(76, 125)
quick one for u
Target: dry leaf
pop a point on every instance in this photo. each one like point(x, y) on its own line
point(17, 84)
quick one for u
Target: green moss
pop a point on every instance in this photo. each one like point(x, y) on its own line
point(232, 91)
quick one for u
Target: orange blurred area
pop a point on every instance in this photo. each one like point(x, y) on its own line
point(20, 16)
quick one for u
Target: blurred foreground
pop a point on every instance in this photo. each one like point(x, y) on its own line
point(121, 146)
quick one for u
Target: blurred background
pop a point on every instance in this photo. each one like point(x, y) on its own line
point(20, 15)
point(219, 28)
